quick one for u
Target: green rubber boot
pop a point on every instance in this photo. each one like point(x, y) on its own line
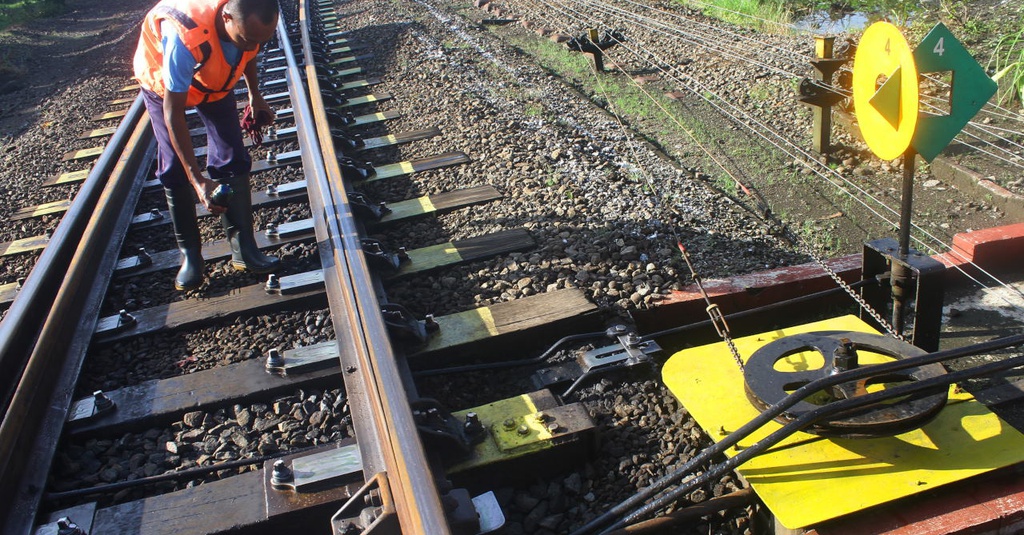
point(181, 203)
point(238, 226)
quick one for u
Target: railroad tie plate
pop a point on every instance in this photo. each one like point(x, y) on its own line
point(79, 515)
point(301, 282)
point(521, 426)
point(963, 440)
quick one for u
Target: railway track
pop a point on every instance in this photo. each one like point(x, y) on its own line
point(314, 399)
point(335, 269)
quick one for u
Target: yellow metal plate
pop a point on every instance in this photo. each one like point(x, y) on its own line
point(807, 479)
point(82, 154)
point(506, 443)
point(348, 72)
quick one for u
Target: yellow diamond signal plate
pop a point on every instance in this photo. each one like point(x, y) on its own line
point(807, 479)
point(887, 114)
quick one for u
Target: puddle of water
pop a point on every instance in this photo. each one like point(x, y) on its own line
point(827, 22)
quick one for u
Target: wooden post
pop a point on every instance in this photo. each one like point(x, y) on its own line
point(823, 46)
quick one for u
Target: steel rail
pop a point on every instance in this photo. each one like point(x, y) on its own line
point(20, 328)
point(37, 410)
point(388, 438)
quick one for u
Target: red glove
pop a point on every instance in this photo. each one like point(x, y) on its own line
point(254, 126)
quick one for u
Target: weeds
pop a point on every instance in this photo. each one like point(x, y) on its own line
point(23, 10)
point(1008, 61)
point(764, 16)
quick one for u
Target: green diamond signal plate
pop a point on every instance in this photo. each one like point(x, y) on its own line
point(940, 51)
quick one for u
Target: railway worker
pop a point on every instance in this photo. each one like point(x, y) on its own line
point(193, 53)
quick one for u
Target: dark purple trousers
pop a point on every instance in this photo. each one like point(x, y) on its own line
point(226, 156)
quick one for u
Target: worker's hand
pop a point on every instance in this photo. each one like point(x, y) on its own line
point(258, 105)
point(204, 189)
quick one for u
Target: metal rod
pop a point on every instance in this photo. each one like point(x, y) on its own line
point(900, 274)
point(686, 515)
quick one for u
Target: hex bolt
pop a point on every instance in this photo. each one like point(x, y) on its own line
point(540, 417)
point(632, 340)
point(275, 359)
point(402, 253)
point(553, 427)
point(271, 156)
point(155, 212)
point(281, 474)
point(523, 430)
point(845, 357)
point(272, 132)
point(144, 257)
point(271, 189)
point(124, 318)
point(65, 526)
point(431, 324)
point(383, 208)
point(273, 283)
point(509, 424)
point(272, 231)
point(101, 401)
point(473, 425)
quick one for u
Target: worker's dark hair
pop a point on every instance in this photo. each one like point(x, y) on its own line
point(242, 9)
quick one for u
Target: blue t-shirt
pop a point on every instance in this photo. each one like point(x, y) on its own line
point(180, 64)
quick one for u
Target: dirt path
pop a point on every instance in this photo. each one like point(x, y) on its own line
point(40, 57)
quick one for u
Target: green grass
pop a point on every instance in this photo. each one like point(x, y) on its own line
point(556, 57)
point(1008, 60)
point(533, 109)
point(758, 14)
point(24, 10)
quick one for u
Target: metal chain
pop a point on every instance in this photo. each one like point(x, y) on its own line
point(856, 297)
point(717, 318)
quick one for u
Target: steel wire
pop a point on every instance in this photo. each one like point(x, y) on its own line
point(804, 157)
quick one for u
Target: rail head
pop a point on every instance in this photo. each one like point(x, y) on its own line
point(388, 436)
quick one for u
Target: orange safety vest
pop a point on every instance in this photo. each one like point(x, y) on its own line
point(196, 21)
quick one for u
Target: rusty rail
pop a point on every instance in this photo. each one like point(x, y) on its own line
point(388, 438)
point(71, 278)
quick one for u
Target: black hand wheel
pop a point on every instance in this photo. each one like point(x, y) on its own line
point(766, 385)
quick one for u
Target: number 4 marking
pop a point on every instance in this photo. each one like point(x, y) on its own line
point(940, 46)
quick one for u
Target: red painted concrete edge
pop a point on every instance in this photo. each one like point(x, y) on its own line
point(992, 249)
point(990, 503)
